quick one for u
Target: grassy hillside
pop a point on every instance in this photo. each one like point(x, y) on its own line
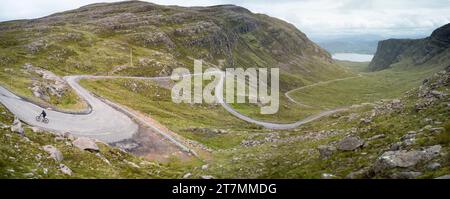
point(206, 123)
point(399, 111)
point(242, 151)
point(143, 39)
point(24, 157)
point(369, 87)
point(296, 154)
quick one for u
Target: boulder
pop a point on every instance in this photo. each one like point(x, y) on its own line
point(431, 152)
point(365, 121)
point(207, 177)
point(36, 129)
point(404, 159)
point(17, 126)
point(396, 104)
point(433, 166)
point(375, 137)
point(132, 164)
point(65, 170)
point(103, 158)
point(349, 143)
point(443, 177)
point(391, 159)
point(128, 145)
point(406, 175)
point(409, 135)
point(85, 143)
point(396, 146)
point(409, 139)
point(326, 151)
point(69, 136)
point(437, 94)
point(358, 174)
point(4, 126)
point(187, 175)
point(53, 152)
point(328, 176)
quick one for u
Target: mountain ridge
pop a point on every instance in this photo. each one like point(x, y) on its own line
point(419, 51)
point(162, 38)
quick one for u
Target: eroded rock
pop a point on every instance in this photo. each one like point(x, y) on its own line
point(326, 151)
point(404, 159)
point(85, 143)
point(406, 175)
point(17, 126)
point(350, 143)
point(53, 152)
point(65, 169)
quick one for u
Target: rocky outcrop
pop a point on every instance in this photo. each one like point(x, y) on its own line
point(53, 152)
point(405, 159)
point(428, 95)
point(65, 169)
point(350, 143)
point(87, 144)
point(17, 126)
point(418, 51)
point(406, 175)
point(50, 85)
point(326, 151)
point(443, 177)
point(389, 52)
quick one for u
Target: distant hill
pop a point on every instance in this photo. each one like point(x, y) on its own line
point(435, 48)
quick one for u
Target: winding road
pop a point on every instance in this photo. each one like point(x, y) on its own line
point(102, 122)
point(106, 123)
point(287, 94)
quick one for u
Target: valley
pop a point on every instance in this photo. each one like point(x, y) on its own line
point(102, 72)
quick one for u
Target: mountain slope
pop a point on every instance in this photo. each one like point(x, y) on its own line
point(99, 38)
point(30, 152)
point(413, 51)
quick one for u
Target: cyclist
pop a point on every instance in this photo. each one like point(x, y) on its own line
point(44, 114)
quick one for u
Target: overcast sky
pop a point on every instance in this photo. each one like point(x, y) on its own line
point(314, 17)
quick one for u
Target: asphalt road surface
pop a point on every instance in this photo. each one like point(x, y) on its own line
point(103, 122)
point(106, 123)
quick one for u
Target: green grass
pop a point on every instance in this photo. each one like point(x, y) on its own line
point(356, 67)
point(288, 111)
point(300, 159)
point(20, 83)
point(156, 102)
point(386, 84)
point(20, 158)
point(85, 48)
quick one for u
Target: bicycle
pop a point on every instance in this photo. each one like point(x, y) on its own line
point(39, 118)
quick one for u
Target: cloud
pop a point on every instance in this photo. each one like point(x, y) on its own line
point(322, 17)
point(314, 17)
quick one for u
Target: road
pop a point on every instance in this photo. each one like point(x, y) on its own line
point(108, 124)
point(268, 125)
point(103, 122)
point(287, 94)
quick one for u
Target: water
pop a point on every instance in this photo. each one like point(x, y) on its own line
point(355, 57)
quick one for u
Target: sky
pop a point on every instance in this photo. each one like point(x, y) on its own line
point(316, 18)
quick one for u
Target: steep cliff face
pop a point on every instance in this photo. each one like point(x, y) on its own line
point(162, 38)
point(418, 51)
point(389, 52)
point(437, 43)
